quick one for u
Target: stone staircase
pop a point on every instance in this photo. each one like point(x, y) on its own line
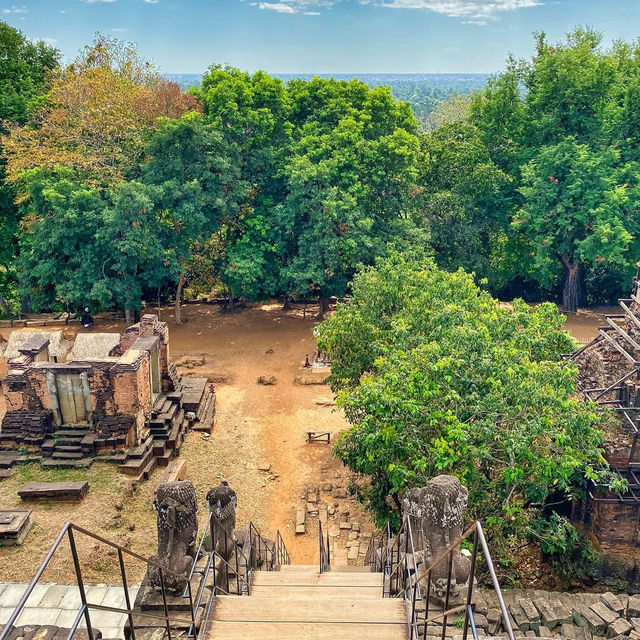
point(167, 430)
point(299, 602)
point(71, 446)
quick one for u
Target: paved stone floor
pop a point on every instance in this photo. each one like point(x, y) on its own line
point(58, 604)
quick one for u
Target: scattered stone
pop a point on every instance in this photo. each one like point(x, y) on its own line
point(619, 627)
point(345, 525)
point(544, 632)
point(481, 621)
point(552, 612)
point(355, 526)
point(14, 526)
point(267, 380)
point(634, 635)
point(612, 601)
point(264, 466)
point(353, 553)
point(531, 613)
point(633, 608)
point(585, 617)
point(269, 351)
point(327, 486)
point(340, 493)
point(54, 490)
point(601, 609)
point(300, 518)
point(353, 535)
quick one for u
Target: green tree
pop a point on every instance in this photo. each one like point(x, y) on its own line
point(438, 377)
point(24, 73)
point(201, 188)
point(576, 211)
point(351, 184)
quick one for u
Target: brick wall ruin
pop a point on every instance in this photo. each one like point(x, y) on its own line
point(110, 392)
point(609, 374)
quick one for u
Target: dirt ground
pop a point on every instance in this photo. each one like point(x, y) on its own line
point(256, 426)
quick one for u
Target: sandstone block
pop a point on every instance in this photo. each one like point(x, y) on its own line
point(552, 612)
point(619, 627)
point(613, 602)
point(584, 617)
point(633, 608)
point(601, 609)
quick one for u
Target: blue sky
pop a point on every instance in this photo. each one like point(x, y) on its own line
point(321, 36)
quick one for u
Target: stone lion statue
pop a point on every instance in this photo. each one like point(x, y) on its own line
point(176, 506)
point(437, 514)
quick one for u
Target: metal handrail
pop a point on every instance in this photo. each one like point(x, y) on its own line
point(401, 578)
point(324, 550)
point(67, 531)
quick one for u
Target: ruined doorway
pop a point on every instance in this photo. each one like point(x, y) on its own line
point(71, 402)
point(154, 374)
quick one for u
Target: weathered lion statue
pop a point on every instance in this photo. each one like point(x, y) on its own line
point(222, 502)
point(176, 506)
point(437, 517)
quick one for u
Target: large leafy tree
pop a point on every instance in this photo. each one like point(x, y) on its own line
point(578, 211)
point(200, 184)
point(351, 184)
point(436, 377)
point(97, 116)
point(24, 71)
point(574, 102)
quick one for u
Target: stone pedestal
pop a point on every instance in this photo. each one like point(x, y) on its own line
point(14, 526)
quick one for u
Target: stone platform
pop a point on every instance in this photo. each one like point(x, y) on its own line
point(57, 605)
point(15, 526)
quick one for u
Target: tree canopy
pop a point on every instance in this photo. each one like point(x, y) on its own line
point(436, 376)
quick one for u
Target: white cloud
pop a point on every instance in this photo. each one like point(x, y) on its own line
point(152, 1)
point(279, 7)
point(119, 29)
point(475, 10)
point(94, 1)
point(49, 41)
point(14, 9)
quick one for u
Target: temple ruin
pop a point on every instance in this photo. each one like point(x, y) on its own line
point(105, 396)
point(609, 374)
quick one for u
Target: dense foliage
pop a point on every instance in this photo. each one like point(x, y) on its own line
point(555, 146)
point(258, 187)
point(436, 376)
point(24, 71)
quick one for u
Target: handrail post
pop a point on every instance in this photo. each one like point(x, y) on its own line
point(164, 603)
point(494, 580)
point(83, 596)
point(446, 599)
point(125, 586)
point(472, 574)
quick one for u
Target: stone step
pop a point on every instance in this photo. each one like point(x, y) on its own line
point(68, 448)
point(67, 455)
point(307, 579)
point(304, 631)
point(309, 610)
point(82, 463)
point(54, 490)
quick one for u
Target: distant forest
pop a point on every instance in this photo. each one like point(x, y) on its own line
point(423, 91)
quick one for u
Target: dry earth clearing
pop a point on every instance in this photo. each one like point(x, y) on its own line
point(256, 426)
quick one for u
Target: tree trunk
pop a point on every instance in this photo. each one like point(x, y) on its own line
point(4, 306)
point(231, 305)
point(323, 306)
point(25, 305)
point(128, 316)
point(181, 281)
point(286, 305)
point(573, 290)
